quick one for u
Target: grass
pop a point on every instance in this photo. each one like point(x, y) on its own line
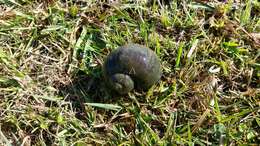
point(52, 91)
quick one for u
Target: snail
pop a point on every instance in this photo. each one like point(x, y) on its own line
point(131, 66)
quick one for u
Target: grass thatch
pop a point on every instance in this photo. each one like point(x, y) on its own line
point(52, 91)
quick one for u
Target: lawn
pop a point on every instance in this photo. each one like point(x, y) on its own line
point(52, 91)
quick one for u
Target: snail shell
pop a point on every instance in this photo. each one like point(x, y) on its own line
point(131, 66)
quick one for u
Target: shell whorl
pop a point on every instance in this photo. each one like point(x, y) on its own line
point(122, 83)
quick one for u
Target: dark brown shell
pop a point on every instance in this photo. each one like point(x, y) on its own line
point(136, 61)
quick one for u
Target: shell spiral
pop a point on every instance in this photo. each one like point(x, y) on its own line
point(131, 66)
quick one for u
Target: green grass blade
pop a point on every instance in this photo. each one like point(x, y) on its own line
point(105, 106)
point(177, 65)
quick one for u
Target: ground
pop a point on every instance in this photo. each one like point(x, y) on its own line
point(52, 90)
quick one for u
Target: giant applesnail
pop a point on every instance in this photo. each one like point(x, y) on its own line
point(131, 66)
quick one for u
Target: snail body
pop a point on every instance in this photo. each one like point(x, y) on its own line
point(131, 66)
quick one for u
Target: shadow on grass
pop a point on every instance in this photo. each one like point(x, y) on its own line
point(83, 88)
point(87, 88)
